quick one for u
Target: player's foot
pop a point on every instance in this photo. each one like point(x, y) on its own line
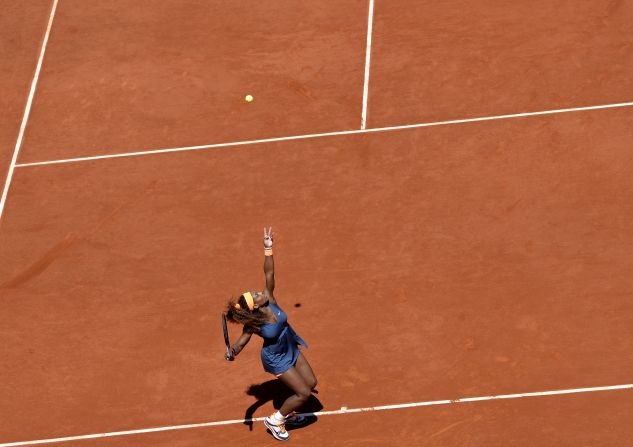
point(294, 419)
point(277, 430)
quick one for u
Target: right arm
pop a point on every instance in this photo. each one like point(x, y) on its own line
point(237, 347)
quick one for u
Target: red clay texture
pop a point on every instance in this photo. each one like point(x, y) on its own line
point(439, 263)
point(432, 263)
point(434, 61)
point(22, 28)
point(125, 76)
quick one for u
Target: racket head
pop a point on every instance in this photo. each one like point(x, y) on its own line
point(225, 330)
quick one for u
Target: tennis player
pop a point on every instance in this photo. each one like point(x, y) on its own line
point(260, 314)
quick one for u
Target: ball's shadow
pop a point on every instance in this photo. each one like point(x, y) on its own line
point(275, 391)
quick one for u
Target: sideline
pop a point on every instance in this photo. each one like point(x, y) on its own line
point(27, 109)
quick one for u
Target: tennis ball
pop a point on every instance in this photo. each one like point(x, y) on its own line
point(248, 98)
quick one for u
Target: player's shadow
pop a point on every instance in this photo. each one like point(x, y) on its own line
point(275, 391)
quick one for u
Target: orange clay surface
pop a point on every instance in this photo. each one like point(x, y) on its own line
point(22, 26)
point(437, 263)
point(137, 75)
point(442, 60)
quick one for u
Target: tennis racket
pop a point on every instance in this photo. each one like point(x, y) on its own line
point(227, 342)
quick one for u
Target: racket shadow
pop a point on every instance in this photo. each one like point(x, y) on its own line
point(276, 392)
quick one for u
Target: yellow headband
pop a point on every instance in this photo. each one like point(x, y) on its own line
point(249, 300)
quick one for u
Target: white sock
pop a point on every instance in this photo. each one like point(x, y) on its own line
point(278, 418)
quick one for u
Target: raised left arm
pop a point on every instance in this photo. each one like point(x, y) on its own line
point(269, 263)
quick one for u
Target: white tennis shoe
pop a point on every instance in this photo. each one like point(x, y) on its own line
point(277, 430)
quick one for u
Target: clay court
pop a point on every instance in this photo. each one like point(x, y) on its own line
point(449, 182)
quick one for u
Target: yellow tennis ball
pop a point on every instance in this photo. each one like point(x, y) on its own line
point(249, 98)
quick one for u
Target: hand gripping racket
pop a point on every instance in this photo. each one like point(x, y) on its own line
point(225, 329)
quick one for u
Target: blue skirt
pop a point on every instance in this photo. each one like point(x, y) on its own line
point(280, 354)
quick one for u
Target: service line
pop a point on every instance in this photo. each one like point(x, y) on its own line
point(27, 109)
point(343, 410)
point(326, 134)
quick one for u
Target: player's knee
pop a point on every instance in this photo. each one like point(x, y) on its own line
point(304, 394)
point(313, 383)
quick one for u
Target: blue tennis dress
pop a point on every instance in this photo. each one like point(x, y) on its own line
point(281, 343)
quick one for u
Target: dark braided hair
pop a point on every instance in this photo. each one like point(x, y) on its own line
point(252, 320)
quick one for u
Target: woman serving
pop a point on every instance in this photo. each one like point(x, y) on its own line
point(260, 314)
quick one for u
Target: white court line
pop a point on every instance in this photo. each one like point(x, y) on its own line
point(370, 23)
point(27, 109)
point(343, 410)
point(321, 135)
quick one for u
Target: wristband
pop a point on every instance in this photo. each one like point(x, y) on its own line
point(268, 251)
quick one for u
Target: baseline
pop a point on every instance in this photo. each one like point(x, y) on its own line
point(343, 410)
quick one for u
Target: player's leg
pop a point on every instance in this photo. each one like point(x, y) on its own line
point(306, 372)
point(302, 391)
point(293, 380)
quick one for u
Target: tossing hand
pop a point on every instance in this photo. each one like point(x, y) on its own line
point(268, 238)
